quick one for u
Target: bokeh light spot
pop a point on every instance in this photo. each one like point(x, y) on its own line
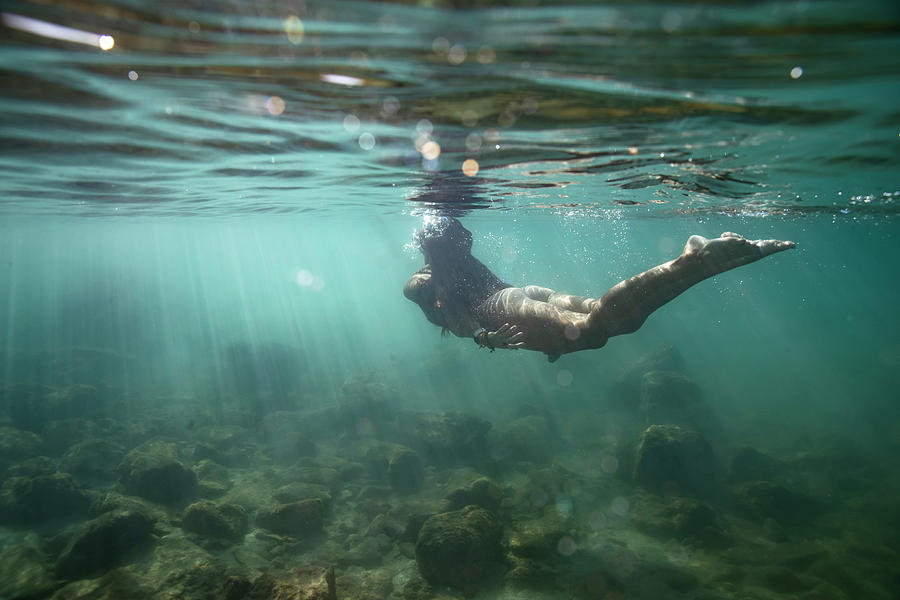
point(293, 28)
point(485, 55)
point(609, 464)
point(619, 506)
point(470, 167)
point(351, 123)
point(796, 72)
point(440, 45)
point(275, 105)
point(106, 42)
point(457, 54)
point(431, 150)
point(367, 141)
point(566, 546)
point(307, 279)
point(424, 127)
point(132, 75)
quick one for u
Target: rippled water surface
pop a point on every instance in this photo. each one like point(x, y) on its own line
point(238, 107)
point(206, 222)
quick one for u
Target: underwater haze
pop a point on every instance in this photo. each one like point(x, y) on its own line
point(213, 387)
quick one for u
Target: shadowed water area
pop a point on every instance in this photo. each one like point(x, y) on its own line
point(212, 386)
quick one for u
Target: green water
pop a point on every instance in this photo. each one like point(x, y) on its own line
point(204, 257)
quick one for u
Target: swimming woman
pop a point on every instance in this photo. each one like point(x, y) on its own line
point(458, 292)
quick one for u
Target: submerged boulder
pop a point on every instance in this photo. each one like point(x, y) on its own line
point(674, 461)
point(153, 471)
point(459, 548)
point(32, 407)
point(30, 500)
point(405, 471)
point(446, 439)
point(92, 460)
point(670, 398)
point(685, 519)
point(309, 582)
point(17, 445)
point(626, 389)
point(765, 500)
point(104, 542)
point(482, 492)
point(212, 479)
point(217, 521)
point(24, 571)
point(296, 519)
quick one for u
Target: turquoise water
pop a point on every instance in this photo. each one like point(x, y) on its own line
point(206, 230)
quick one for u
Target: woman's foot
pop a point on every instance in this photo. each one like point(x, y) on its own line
point(731, 250)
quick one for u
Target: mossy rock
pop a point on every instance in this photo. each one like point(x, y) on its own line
point(682, 518)
point(405, 471)
point(459, 548)
point(482, 492)
point(104, 542)
point(672, 460)
point(30, 500)
point(297, 519)
point(216, 521)
point(154, 472)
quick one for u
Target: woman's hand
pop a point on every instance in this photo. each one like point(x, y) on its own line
point(508, 336)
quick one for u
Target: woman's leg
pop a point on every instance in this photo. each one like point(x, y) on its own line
point(625, 307)
point(578, 304)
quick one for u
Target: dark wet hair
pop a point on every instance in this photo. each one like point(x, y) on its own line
point(444, 238)
point(459, 282)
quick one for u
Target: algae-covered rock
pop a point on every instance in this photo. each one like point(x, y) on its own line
point(446, 439)
point(30, 500)
point(626, 389)
point(297, 519)
point(17, 445)
point(675, 461)
point(482, 492)
point(216, 521)
point(313, 470)
point(103, 542)
point(61, 434)
point(762, 499)
point(153, 471)
point(459, 548)
point(405, 471)
point(92, 460)
point(294, 492)
point(540, 538)
point(212, 479)
point(361, 583)
point(32, 407)
point(670, 398)
point(309, 582)
point(32, 467)
point(24, 571)
point(683, 518)
point(113, 585)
